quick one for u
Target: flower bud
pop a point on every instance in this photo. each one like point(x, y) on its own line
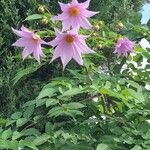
point(99, 46)
point(120, 25)
point(101, 22)
point(96, 27)
point(94, 34)
point(41, 9)
point(44, 21)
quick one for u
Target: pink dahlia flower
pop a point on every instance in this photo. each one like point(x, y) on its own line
point(70, 45)
point(124, 47)
point(75, 15)
point(31, 43)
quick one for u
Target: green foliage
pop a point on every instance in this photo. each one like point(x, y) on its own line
point(100, 106)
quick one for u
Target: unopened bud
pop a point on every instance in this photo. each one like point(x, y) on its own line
point(94, 34)
point(44, 21)
point(120, 25)
point(41, 9)
point(96, 27)
point(101, 22)
point(99, 46)
point(120, 38)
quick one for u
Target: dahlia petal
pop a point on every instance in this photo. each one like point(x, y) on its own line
point(26, 52)
point(20, 42)
point(63, 6)
point(65, 25)
point(43, 42)
point(84, 37)
point(17, 32)
point(57, 53)
point(23, 28)
point(77, 55)
point(74, 2)
point(36, 53)
point(84, 49)
point(41, 52)
point(66, 57)
point(63, 16)
point(85, 4)
point(87, 13)
point(73, 31)
point(22, 33)
point(85, 23)
point(75, 23)
point(56, 41)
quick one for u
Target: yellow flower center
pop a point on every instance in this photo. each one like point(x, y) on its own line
point(74, 11)
point(36, 38)
point(70, 38)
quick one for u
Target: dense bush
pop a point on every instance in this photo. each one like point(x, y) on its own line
point(12, 15)
point(102, 105)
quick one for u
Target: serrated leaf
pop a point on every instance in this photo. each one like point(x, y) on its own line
point(73, 105)
point(55, 110)
point(29, 144)
point(22, 73)
point(72, 92)
point(6, 134)
point(103, 147)
point(40, 102)
point(50, 102)
point(48, 92)
point(20, 122)
point(10, 122)
point(41, 139)
point(16, 135)
point(16, 115)
point(2, 121)
point(136, 147)
point(30, 131)
point(48, 128)
point(28, 112)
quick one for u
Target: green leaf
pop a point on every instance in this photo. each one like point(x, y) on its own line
point(16, 135)
point(14, 145)
point(20, 122)
point(48, 128)
point(48, 92)
point(34, 17)
point(5, 144)
point(29, 111)
point(41, 139)
point(137, 148)
point(40, 102)
point(30, 131)
point(103, 147)
point(73, 105)
point(50, 102)
point(10, 122)
point(73, 91)
point(22, 73)
point(6, 134)
point(56, 110)
point(16, 115)
point(2, 121)
point(26, 143)
point(112, 93)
